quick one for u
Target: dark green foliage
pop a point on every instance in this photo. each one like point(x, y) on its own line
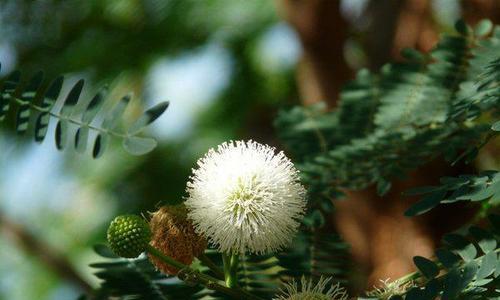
point(78, 122)
point(137, 279)
point(485, 98)
point(485, 94)
point(315, 254)
point(259, 274)
point(392, 122)
point(320, 255)
point(471, 267)
point(466, 267)
point(482, 187)
point(428, 268)
point(471, 261)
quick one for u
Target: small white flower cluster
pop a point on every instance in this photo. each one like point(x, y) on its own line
point(309, 291)
point(390, 288)
point(246, 198)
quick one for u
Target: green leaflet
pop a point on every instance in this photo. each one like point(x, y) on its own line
point(482, 187)
point(427, 267)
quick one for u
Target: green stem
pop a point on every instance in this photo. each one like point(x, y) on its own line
point(166, 259)
point(192, 275)
point(231, 269)
point(235, 260)
point(211, 265)
point(66, 118)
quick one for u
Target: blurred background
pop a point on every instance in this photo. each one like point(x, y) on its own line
point(226, 66)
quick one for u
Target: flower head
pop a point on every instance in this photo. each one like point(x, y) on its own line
point(128, 235)
point(174, 236)
point(308, 291)
point(245, 197)
point(390, 288)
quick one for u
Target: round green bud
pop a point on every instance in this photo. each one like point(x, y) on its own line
point(128, 235)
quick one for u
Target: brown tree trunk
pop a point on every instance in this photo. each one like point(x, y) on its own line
point(415, 27)
point(475, 10)
point(322, 31)
point(382, 17)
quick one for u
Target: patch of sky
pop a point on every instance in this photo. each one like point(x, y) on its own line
point(278, 49)
point(190, 82)
point(31, 178)
point(63, 292)
point(353, 9)
point(447, 12)
point(8, 58)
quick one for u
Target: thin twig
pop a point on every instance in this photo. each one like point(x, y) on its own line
point(39, 249)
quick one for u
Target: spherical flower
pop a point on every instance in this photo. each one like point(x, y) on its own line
point(389, 289)
point(174, 236)
point(245, 197)
point(308, 291)
point(128, 235)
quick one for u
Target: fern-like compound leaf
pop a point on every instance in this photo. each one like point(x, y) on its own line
point(466, 272)
point(315, 254)
point(80, 123)
point(138, 279)
point(389, 123)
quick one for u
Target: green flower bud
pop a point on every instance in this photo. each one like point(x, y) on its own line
point(128, 235)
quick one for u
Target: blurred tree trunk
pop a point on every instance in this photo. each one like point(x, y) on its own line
point(415, 27)
point(382, 17)
point(383, 240)
point(322, 31)
point(475, 10)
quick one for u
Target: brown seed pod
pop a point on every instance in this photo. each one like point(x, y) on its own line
point(174, 236)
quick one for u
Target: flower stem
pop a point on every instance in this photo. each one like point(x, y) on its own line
point(188, 274)
point(231, 269)
point(165, 258)
point(211, 265)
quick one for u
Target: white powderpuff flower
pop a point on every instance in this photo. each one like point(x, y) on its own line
point(308, 291)
point(390, 288)
point(246, 198)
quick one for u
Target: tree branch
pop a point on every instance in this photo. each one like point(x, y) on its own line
point(37, 248)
